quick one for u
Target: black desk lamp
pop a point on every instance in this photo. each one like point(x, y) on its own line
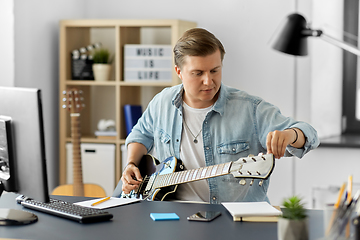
point(293, 33)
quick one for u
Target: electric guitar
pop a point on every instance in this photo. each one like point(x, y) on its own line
point(74, 104)
point(161, 180)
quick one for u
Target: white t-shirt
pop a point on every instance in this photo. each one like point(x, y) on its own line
point(192, 154)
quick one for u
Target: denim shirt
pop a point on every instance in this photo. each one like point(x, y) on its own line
point(236, 126)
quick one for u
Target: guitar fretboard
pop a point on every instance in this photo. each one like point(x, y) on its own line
point(77, 167)
point(175, 178)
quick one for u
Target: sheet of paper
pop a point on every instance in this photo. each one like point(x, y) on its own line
point(112, 202)
point(247, 209)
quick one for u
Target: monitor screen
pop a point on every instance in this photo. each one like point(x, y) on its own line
point(24, 170)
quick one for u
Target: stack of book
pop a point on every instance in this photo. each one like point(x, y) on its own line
point(147, 62)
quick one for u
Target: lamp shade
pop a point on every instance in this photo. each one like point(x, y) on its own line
point(290, 37)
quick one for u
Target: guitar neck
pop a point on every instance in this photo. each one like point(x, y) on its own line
point(192, 175)
point(77, 167)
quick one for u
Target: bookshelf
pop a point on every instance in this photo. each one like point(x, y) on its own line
point(105, 99)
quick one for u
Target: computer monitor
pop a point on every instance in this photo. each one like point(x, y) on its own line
point(22, 144)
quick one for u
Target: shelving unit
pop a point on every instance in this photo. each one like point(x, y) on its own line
point(105, 100)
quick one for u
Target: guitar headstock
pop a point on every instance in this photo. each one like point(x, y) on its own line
point(73, 100)
point(255, 167)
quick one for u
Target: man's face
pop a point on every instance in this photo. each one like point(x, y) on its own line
point(201, 77)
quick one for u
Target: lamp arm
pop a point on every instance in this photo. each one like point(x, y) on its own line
point(341, 44)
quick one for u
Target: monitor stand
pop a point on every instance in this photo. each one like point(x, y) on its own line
point(14, 216)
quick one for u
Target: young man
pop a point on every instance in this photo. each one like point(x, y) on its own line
point(204, 122)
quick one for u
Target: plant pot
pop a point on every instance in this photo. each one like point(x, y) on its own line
point(292, 229)
point(101, 72)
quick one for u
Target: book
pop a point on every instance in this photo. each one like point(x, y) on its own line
point(253, 211)
point(132, 114)
point(256, 219)
point(106, 135)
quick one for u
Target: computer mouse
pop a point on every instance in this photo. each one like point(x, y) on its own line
point(16, 217)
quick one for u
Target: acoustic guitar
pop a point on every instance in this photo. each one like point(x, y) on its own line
point(74, 104)
point(160, 181)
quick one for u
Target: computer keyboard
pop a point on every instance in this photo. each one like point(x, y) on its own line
point(68, 210)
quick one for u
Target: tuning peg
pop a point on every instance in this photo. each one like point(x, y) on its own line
point(261, 182)
point(252, 182)
point(242, 182)
point(64, 106)
point(64, 99)
point(64, 92)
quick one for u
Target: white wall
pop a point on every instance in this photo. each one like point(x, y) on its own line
point(36, 61)
point(7, 43)
point(326, 70)
point(244, 27)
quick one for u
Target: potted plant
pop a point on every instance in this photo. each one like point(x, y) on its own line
point(101, 64)
point(293, 224)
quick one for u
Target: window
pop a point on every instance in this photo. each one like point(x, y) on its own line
point(351, 86)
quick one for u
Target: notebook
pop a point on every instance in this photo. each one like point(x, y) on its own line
point(253, 211)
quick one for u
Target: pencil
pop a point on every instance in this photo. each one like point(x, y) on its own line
point(349, 197)
point(336, 206)
point(101, 201)
point(349, 188)
point(341, 192)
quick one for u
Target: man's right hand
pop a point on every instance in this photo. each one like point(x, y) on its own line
point(131, 178)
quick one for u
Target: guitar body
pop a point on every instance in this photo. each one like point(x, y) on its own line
point(90, 190)
point(148, 167)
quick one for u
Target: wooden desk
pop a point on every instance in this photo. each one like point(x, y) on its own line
point(133, 222)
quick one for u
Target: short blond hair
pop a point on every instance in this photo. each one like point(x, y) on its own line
point(196, 42)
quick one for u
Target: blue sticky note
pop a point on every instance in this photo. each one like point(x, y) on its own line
point(164, 216)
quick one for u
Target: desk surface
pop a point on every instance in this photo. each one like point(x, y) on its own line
point(133, 222)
